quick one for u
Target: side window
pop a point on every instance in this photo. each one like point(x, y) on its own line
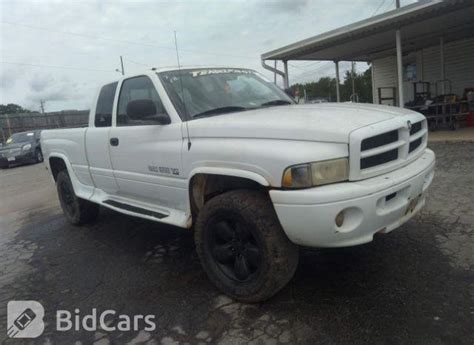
point(105, 103)
point(139, 104)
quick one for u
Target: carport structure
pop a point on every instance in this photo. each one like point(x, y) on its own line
point(394, 38)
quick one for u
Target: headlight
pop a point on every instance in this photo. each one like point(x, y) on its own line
point(316, 174)
point(26, 147)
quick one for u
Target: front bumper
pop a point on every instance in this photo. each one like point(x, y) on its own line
point(21, 158)
point(375, 205)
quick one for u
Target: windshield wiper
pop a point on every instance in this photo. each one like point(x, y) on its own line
point(276, 102)
point(221, 110)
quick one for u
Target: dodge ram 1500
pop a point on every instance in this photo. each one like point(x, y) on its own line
point(225, 152)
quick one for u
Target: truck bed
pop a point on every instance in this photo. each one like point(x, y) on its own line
point(68, 143)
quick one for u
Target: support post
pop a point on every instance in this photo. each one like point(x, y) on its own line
point(274, 70)
point(374, 94)
point(398, 40)
point(353, 77)
point(338, 95)
point(275, 74)
point(443, 73)
point(286, 80)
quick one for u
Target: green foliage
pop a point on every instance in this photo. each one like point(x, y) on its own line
point(325, 88)
point(11, 108)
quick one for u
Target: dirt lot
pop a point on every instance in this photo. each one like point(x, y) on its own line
point(414, 285)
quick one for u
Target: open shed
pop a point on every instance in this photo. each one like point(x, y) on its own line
point(420, 52)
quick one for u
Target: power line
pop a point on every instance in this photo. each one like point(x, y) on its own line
point(122, 41)
point(304, 66)
point(135, 62)
point(391, 3)
point(378, 8)
point(58, 67)
point(306, 74)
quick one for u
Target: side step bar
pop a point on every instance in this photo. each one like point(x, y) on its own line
point(135, 209)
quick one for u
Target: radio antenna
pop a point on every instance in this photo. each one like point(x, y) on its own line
point(182, 91)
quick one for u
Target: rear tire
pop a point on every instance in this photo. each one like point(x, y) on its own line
point(77, 211)
point(242, 246)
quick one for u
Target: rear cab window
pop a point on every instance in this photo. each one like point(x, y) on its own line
point(105, 104)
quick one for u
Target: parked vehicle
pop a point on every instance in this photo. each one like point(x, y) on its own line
point(21, 148)
point(226, 153)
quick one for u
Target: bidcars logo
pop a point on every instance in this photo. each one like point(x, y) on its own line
point(25, 319)
point(67, 321)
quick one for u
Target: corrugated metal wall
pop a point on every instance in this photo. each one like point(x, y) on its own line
point(384, 75)
point(459, 68)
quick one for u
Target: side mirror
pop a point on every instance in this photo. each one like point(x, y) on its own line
point(145, 110)
point(289, 93)
point(162, 119)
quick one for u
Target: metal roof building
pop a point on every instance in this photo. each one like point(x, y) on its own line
point(434, 36)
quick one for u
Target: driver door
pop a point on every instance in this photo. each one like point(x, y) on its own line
point(145, 147)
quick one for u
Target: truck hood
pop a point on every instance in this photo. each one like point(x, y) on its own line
point(326, 122)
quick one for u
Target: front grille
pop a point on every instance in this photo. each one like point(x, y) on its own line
point(414, 145)
point(379, 140)
point(383, 147)
point(415, 128)
point(381, 158)
point(14, 152)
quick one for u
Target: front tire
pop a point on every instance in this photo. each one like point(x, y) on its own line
point(242, 246)
point(38, 156)
point(77, 211)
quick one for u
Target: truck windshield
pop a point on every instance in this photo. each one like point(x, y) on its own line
point(211, 92)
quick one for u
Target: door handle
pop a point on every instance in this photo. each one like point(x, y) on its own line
point(114, 141)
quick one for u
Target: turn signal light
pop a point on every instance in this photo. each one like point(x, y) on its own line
point(340, 219)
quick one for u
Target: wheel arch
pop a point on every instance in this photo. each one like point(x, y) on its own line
point(206, 183)
point(58, 162)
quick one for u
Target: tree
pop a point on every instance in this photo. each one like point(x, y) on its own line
point(12, 108)
point(325, 88)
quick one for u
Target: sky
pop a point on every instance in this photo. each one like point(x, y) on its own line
point(60, 51)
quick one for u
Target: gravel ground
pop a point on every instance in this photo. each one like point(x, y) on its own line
point(414, 285)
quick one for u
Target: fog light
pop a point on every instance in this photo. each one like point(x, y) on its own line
point(340, 219)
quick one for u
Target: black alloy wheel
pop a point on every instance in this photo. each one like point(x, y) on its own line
point(234, 247)
point(242, 246)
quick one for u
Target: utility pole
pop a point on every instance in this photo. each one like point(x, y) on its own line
point(121, 65)
point(42, 106)
point(353, 81)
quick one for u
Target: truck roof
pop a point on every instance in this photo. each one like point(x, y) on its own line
point(174, 68)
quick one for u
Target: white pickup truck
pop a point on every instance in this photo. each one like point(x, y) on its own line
point(226, 153)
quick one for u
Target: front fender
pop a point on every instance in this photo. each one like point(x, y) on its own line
point(229, 172)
